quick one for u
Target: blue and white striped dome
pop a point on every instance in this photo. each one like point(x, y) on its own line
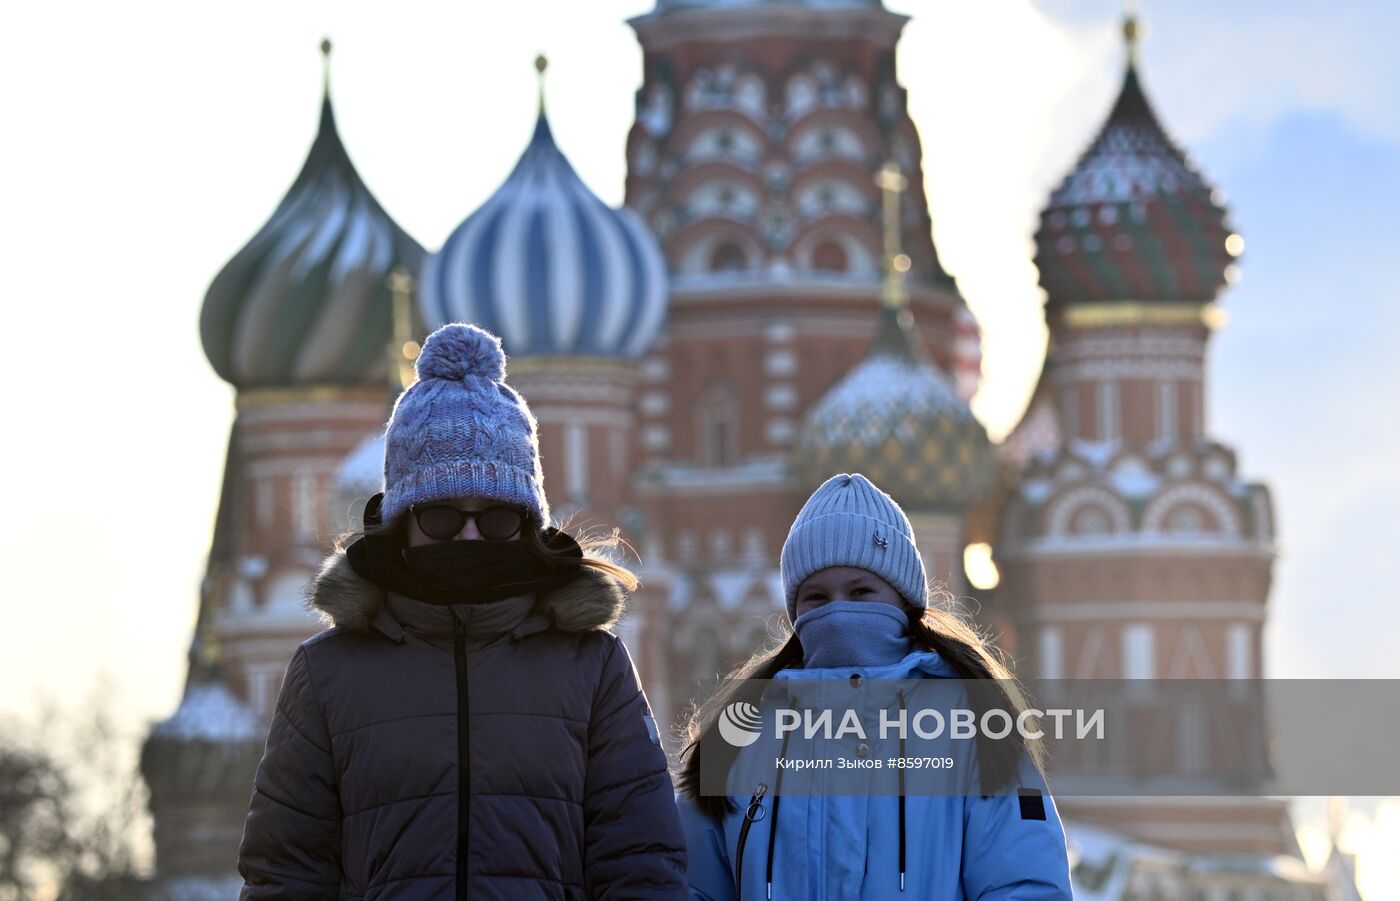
point(549, 267)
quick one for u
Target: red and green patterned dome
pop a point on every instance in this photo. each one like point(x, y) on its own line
point(899, 420)
point(1134, 220)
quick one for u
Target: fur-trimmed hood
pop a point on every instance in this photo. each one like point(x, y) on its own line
point(344, 598)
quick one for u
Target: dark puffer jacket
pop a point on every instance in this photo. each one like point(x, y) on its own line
point(360, 792)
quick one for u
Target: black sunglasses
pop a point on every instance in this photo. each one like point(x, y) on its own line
point(442, 522)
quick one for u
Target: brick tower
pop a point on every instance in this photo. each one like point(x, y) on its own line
point(1130, 546)
point(760, 131)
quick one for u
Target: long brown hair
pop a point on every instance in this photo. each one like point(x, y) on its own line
point(600, 550)
point(934, 628)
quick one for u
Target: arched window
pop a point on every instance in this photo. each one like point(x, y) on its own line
point(1090, 520)
point(728, 257)
point(1186, 519)
point(829, 257)
point(719, 439)
point(718, 423)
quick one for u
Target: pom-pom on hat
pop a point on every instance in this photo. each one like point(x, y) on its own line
point(461, 431)
point(456, 351)
point(849, 522)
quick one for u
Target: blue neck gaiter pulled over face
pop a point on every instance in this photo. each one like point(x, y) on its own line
point(853, 633)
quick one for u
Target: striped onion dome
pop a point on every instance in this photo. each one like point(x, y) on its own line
point(897, 418)
point(1134, 220)
point(549, 267)
point(306, 301)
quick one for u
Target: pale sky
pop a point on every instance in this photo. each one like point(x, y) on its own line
point(146, 142)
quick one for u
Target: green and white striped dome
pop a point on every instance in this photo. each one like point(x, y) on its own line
point(306, 301)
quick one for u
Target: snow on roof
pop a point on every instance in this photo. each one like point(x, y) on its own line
point(1097, 453)
point(1103, 861)
point(1132, 478)
point(1283, 868)
point(363, 468)
point(671, 5)
point(881, 382)
point(210, 712)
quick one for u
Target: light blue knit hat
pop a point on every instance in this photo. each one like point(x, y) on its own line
point(460, 430)
point(849, 522)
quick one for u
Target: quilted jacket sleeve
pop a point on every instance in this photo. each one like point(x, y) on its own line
point(1014, 844)
point(634, 845)
point(291, 838)
point(709, 871)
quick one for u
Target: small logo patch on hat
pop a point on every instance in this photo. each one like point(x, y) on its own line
point(651, 728)
point(881, 541)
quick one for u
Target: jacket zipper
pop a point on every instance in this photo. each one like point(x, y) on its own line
point(464, 794)
point(754, 812)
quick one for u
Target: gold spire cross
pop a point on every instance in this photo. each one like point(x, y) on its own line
point(403, 350)
point(892, 184)
point(326, 65)
point(541, 64)
point(1132, 31)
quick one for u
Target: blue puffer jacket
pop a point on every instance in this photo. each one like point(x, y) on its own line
point(485, 751)
point(1009, 846)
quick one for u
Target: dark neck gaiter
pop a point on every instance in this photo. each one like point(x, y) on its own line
point(460, 572)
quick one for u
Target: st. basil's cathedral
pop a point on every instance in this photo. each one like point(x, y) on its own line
point(766, 309)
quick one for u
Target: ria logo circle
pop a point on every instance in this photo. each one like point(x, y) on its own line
point(740, 724)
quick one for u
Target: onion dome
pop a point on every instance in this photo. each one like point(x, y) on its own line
point(549, 267)
point(202, 758)
point(1134, 220)
point(898, 419)
point(205, 752)
point(198, 766)
point(306, 301)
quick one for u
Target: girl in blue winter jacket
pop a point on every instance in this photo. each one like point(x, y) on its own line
point(858, 599)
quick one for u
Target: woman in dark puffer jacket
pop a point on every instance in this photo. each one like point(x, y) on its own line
point(468, 728)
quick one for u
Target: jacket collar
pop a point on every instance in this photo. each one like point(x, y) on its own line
point(916, 665)
point(882, 684)
point(482, 623)
point(349, 601)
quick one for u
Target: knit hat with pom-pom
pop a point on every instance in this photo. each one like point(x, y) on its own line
point(461, 431)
